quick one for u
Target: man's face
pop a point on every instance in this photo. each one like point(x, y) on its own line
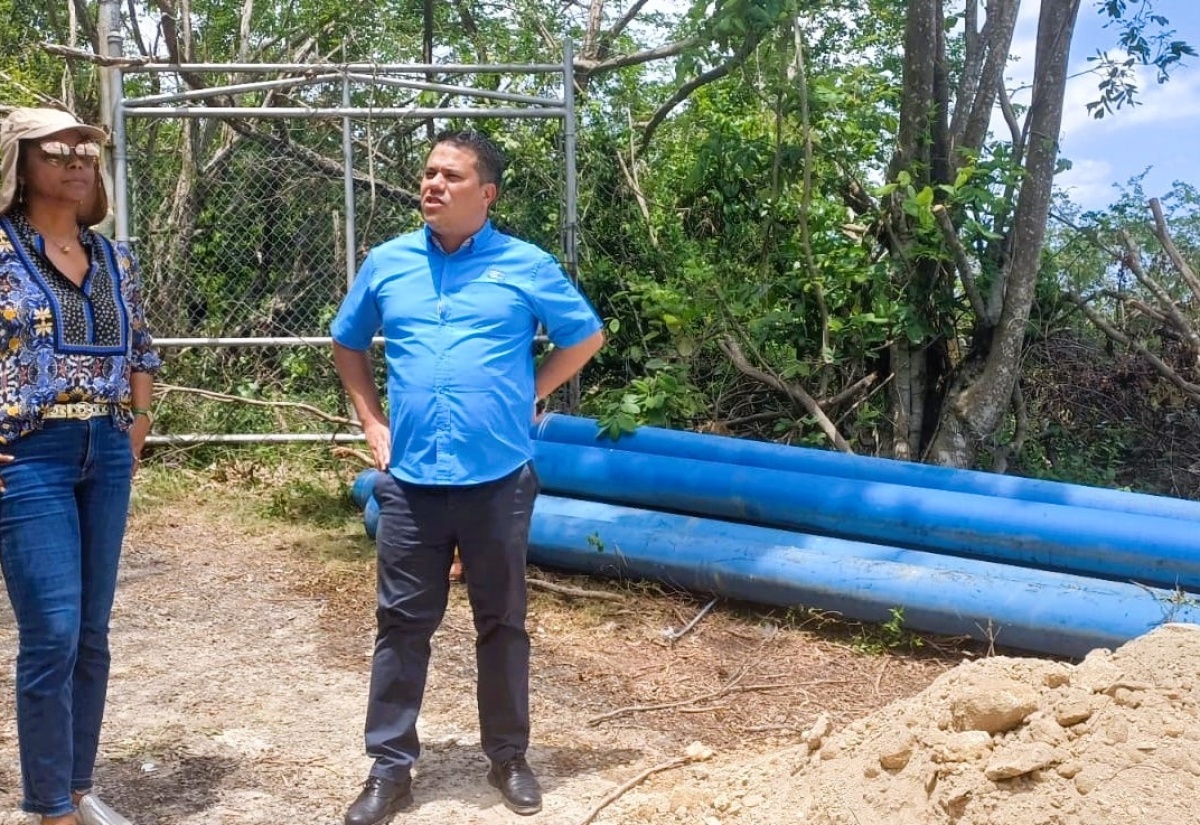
point(454, 201)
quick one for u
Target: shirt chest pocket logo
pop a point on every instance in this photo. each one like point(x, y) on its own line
point(494, 275)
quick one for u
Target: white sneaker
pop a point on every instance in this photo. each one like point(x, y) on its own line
point(93, 811)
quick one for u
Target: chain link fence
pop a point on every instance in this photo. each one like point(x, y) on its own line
point(249, 223)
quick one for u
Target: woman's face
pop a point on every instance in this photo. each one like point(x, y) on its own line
point(60, 170)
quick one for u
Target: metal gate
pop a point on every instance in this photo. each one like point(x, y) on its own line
point(252, 191)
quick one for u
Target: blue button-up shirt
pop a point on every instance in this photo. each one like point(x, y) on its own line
point(459, 331)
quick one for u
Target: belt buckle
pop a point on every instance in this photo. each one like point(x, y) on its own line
point(78, 411)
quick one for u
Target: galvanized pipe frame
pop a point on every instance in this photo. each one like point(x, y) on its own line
point(155, 106)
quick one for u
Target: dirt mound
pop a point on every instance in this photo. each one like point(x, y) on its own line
point(1003, 741)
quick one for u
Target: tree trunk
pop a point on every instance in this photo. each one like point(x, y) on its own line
point(978, 401)
point(922, 151)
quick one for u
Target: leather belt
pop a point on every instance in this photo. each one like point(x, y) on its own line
point(81, 411)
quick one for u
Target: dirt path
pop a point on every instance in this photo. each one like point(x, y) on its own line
point(240, 675)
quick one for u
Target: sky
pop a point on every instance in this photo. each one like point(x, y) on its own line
point(1162, 133)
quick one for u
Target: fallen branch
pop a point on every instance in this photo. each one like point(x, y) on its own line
point(1189, 389)
point(792, 391)
point(574, 592)
point(165, 389)
point(695, 753)
point(361, 456)
point(684, 702)
point(731, 686)
point(1168, 244)
point(879, 676)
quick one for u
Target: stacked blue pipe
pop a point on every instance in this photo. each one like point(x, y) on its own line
point(1024, 608)
point(1043, 566)
point(567, 429)
point(1148, 549)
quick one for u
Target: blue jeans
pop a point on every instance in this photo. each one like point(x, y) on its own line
point(62, 521)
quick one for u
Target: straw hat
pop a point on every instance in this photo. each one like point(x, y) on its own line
point(32, 124)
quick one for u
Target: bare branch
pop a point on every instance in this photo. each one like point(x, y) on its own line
point(797, 394)
point(86, 23)
point(323, 164)
point(587, 66)
point(969, 131)
point(1168, 244)
point(574, 592)
point(625, 20)
point(244, 31)
point(98, 59)
point(962, 264)
point(684, 92)
point(858, 387)
point(342, 451)
point(617, 793)
point(629, 170)
point(166, 389)
point(1166, 303)
point(41, 97)
point(1189, 389)
point(136, 29)
point(591, 35)
point(798, 74)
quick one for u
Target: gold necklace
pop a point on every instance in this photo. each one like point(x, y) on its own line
point(64, 247)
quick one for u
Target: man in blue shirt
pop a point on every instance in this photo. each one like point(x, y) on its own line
point(458, 304)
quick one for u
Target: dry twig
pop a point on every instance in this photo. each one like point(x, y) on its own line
point(731, 686)
point(879, 676)
point(695, 753)
point(575, 592)
point(98, 59)
point(674, 635)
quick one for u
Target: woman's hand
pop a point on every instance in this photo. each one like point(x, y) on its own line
point(4, 459)
point(137, 437)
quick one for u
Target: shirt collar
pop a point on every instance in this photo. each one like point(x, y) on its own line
point(480, 238)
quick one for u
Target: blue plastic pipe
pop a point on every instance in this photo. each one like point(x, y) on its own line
point(371, 516)
point(363, 487)
point(1121, 546)
point(565, 429)
point(1029, 609)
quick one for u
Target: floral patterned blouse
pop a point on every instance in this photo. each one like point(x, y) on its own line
point(62, 343)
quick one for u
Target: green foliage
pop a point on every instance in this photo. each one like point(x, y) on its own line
point(1064, 453)
point(888, 636)
point(303, 500)
point(1146, 39)
point(660, 399)
point(732, 224)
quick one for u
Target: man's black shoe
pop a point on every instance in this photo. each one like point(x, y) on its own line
point(379, 801)
point(517, 785)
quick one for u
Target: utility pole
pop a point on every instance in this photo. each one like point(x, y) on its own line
point(110, 44)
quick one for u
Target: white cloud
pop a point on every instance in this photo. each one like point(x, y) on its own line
point(1176, 100)
point(1089, 183)
point(1156, 133)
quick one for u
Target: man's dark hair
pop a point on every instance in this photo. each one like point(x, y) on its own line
point(489, 160)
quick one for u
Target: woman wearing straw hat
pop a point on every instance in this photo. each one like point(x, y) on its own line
point(76, 373)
